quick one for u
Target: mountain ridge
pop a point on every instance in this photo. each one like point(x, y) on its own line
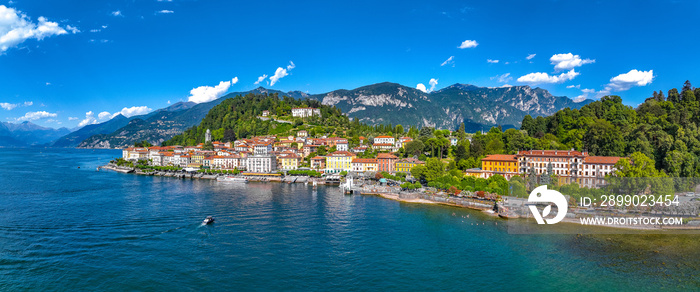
point(27, 134)
point(386, 102)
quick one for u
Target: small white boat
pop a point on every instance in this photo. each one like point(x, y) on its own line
point(208, 220)
point(232, 179)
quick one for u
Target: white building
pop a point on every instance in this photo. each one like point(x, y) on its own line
point(384, 140)
point(228, 162)
point(262, 148)
point(156, 159)
point(261, 163)
point(134, 154)
point(594, 169)
point(303, 112)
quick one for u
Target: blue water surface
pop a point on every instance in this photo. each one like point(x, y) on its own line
point(66, 226)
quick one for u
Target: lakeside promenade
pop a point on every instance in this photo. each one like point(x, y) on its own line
point(507, 207)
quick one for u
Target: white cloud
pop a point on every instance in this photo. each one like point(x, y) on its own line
point(33, 116)
point(492, 61)
point(584, 95)
point(530, 56)
point(468, 44)
point(449, 61)
point(568, 61)
point(89, 119)
point(261, 78)
point(8, 106)
point(207, 93)
point(132, 111)
point(627, 80)
point(573, 86)
point(541, 77)
point(95, 30)
point(103, 115)
point(16, 27)
point(280, 73)
point(502, 78)
point(433, 82)
point(11, 106)
point(632, 78)
point(117, 13)
point(165, 11)
point(72, 29)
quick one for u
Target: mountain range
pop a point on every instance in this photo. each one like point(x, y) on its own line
point(28, 134)
point(478, 108)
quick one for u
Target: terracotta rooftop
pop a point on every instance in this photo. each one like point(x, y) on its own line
point(386, 156)
point(364, 160)
point(601, 159)
point(499, 157)
point(560, 153)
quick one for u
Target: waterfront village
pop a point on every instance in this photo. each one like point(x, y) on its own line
point(381, 166)
point(276, 155)
point(294, 154)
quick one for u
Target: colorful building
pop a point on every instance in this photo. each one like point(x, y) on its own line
point(505, 165)
point(386, 162)
point(339, 161)
point(405, 164)
point(364, 165)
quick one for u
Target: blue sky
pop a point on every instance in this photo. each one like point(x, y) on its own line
point(70, 63)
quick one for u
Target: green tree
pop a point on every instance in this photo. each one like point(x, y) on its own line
point(414, 147)
point(461, 151)
point(434, 169)
point(673, 96)
point(637, 165)
point(143, 143)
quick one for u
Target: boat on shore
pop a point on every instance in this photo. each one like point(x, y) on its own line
point(232, 179)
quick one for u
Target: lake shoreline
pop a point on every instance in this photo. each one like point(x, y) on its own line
point(415, 198)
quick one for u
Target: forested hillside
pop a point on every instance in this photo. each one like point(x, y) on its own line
point(665, 128)
point(238, 117)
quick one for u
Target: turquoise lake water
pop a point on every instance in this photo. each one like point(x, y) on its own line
point(69, 228)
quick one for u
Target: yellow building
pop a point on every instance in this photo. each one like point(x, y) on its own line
point(505, 165)
point(288, 162)
point(405, 165)
point(364, 165)
point(198, 158)
point(339, 161)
